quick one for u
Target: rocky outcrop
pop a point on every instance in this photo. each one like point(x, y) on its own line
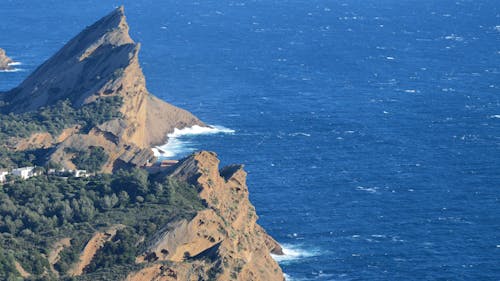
point(217, 238)
point(223, 241)
point(91, 248)
point(120, 154)
point(54, 255)
point(5, 61)
point(101, 61)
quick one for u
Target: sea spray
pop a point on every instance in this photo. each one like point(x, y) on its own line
point(177, 143)
point(294, 253)
point(14, 69)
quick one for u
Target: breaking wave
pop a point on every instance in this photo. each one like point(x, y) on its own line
point(294, 253)
point(12, 70)
point(16, 63)
point(179, 141)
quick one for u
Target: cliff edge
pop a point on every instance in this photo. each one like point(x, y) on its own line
point(88, 107)
point(222, 241)
point(98, 64)
point(190, 222)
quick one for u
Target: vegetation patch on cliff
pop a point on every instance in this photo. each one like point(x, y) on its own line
point(36, 212)
point(55, 118)
point(90, 159)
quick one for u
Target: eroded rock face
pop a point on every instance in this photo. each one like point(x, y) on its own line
point(96, 242)
point(5, 61)
point(222, 242)
point(102, 61)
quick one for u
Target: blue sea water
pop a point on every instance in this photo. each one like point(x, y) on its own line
point(370, 129)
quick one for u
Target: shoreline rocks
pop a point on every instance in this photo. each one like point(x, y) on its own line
point(5, 61)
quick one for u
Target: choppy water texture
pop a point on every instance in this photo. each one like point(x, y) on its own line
point(370, 129)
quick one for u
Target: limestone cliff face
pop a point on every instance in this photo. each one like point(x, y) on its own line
point(222, 242)
point(102, 61)
point(4, 60)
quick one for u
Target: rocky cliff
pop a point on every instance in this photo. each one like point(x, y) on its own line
point(222, 241)
point(101, 62)
point(5, 61)
point(190, 222)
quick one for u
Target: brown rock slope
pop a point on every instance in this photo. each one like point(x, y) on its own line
point(102, 61)
point(91, 248)
point(222, 242)
point(4, 60)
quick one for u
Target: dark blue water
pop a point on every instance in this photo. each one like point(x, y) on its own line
point(370, 129)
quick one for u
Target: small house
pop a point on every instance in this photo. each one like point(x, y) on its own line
point(25, 172)
point(80, 173)
point(3, 175)
point(64, 172)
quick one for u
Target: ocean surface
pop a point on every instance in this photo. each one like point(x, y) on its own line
point(370, 130)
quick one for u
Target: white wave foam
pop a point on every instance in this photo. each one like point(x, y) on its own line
point(290, 278)
point(454, 38)
point(177, 144)
point(293, 253)
point(496, 116)
point(299, 134)
point(367, 189)
point(12, 70)
point(14, 63)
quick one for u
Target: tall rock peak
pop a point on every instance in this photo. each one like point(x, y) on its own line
point(102, 61)
point(86, 67)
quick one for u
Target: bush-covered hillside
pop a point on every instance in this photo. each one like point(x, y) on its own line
point(37, 212)
point(62, 115)
point(53, 120)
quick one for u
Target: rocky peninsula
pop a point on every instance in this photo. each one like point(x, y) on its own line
point(87, 107)
point(98, 66)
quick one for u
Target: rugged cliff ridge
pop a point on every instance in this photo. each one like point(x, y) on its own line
point(5, 61)
point(101, 62)
point(222, 241)
point(89, 105)
point(188, 223)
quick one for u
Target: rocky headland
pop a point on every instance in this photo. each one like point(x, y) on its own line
point(222, 241)
point(98, 64)
point(88, 106)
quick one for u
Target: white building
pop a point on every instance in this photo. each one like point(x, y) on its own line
point(80, 173)
point(25, 172)
point(2, 176)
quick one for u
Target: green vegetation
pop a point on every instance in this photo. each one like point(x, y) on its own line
point(120, 250)
point(7, 268)
point(37, 212)
point(53, 119)
point(11, 158)
point(91, 159)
